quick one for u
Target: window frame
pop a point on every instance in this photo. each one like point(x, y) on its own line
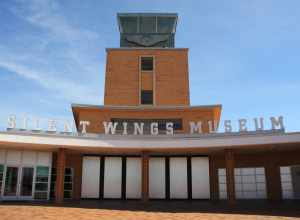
point(53, 182)
point(42, 182)
point(152, 101)
point(141, 64)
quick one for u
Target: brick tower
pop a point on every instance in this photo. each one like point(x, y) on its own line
point(146, 79)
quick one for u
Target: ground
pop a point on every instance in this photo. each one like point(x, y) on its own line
point(118, 210)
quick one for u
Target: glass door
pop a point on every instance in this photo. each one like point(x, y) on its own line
point(11, 182)
point(26, 182)
point(18, 182)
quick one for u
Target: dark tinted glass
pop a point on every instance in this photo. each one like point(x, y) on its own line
point(42, 171)
point(41, 186)
point(147, 63)
point(27, 180)
point(129, 24)
point(68, 186)
point(40, 195)
point(148, 24)
point(165, 24)
point(68, 178)
point(68, 194)
point(68, 171)
point(146, 97)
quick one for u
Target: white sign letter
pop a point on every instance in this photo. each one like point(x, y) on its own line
point(195, 127)
point(212, 126)
point(169, 128)
point(277, 123)
point(36, 123)
point(84, 125)
point(154, 128)
point(259, 125)
point(109, 127)
point(227, 125)
point(12, 122)
point(52, 125)
point(138, 128)
point(124, 128)
point(68, 127)
point(25, 122)
point(242, 125)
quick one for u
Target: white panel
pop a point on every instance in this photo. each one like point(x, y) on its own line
point(222, 183)
point(237, 179)
point(133, 178)
point(251, 183)
point(2, 156)
point(286, 183)
point(249, 187)
point(222, 179)
point(29, 158)
point(44, 159)
point(238, 187)
point(287, 186)
point(222, 187)
point(90, 177)
point(157, 178)
point(260, 178)
point(112, 177)
point(248, 171)
point(260, 170)
point(178, 177)
point(261, 186)
point(285, 170)
point(13, 157)
point(200, 178)
point(222, 171)
point(237, 171)
point(248, 179)
point(286, 178)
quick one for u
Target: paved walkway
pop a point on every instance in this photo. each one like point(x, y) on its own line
point(161, 210)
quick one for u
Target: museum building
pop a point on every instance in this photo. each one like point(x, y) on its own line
point(146, 142)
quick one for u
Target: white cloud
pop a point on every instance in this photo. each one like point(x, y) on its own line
point(63, 62)
point(45, 14)
point(66, 88)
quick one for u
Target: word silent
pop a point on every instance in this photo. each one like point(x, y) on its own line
point(140, 128)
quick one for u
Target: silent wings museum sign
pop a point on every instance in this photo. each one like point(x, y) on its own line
point(140, 128)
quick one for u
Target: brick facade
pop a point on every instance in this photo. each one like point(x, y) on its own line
point(122, 78)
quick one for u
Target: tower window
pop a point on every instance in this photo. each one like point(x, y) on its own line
point(147, 63)
point(147, 97)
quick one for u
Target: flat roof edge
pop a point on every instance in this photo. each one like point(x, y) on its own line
point(150, 142)
point(146, 48)
point(76, 105)
point(147, 14)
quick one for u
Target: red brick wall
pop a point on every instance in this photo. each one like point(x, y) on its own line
point(97, 116)
point(122, 79)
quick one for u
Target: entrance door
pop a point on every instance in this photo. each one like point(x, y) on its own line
point(18, 182)
point(11, 182)
point(26, 182)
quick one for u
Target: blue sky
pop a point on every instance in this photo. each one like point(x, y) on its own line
point(244, 55)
